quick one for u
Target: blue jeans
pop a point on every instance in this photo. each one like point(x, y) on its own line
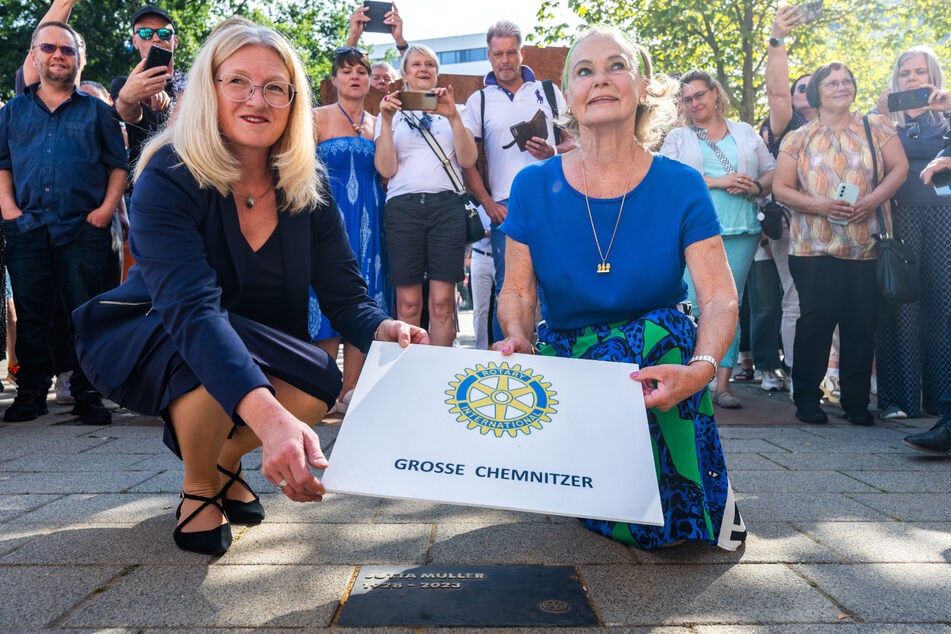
point(40, 271)
point(497, 237)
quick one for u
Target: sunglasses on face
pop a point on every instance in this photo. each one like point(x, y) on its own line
point(49, 49)
point(697, 96)
point(146, 33)
point(343, 50)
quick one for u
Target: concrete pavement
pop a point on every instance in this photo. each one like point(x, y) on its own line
point(849, 531)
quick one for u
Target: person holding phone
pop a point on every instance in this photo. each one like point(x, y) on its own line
point(913, 355)
point(738, 169)
point(144, 99)
point(361, 18)
point(833, 264)
point(424, 222)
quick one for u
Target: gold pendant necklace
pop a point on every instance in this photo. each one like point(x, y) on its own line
point(249, 198)
point(605, 266)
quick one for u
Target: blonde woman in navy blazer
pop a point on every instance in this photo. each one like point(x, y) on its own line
point(231, 225)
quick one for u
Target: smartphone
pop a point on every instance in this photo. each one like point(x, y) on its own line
point(158, 56)
point(524, 131)
point(942, 182)
point(377, 13)
point(418, 99)
point(850, 194)
point(810, 12)
point(908, 99)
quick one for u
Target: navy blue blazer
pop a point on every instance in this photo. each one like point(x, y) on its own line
point(187, 241)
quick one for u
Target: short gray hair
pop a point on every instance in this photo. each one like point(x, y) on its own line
point(420, 49)
point(503, 28)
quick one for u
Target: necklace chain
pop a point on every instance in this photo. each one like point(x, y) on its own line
point(357, 127)
point(249, 198)
point(605, 266)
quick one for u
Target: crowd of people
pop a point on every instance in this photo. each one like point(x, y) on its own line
point(267, 233)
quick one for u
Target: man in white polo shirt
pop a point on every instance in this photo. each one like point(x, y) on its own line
point(511, 95)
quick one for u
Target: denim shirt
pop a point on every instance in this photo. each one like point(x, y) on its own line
point(60, 160)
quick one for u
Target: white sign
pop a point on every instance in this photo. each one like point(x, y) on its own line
point(531, 433)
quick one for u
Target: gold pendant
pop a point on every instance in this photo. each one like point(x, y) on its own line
point(604, 267)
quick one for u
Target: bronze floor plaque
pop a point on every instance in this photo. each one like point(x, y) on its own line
point(500, 596)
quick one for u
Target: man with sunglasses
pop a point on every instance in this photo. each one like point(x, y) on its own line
point(63, 170)
point(145, 98)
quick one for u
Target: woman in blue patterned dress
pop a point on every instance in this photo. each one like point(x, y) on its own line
point(606, 231)
point(344, 135)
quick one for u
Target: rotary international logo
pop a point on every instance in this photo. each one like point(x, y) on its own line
point(501, 399)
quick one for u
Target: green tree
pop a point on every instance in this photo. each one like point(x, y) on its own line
point(315, 27)
point(728, 38)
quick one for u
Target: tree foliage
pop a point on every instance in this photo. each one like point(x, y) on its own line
point(314, 26)
point(728, 38)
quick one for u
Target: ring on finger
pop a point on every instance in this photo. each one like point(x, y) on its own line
point(282, 484)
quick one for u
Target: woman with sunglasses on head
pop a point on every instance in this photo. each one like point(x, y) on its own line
point(232, 225)
point(738, 169)
point(344, 135)
point(424, 222)
point(912, 355)
point(833, 249)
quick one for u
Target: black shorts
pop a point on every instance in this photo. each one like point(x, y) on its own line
point(425, 236)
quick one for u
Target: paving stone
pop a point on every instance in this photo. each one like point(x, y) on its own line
point(334, 509)
point(770, 507)
point(906, 482)
point(896, 542)
point(79, 482)
point(420, 511)
point(26, 602)
point(887, 593)
point(713, 593)
point(845, 438)
point(842, 627)
point(918, 461)
point(277, 544)
point(908, 507)
point(100, 509)
point(13, 506)
point(834, 462)
point(71, 463)
point(219, 596)
point(748, 445)
point(524, 543)
point(795, 482)
point(751, 462)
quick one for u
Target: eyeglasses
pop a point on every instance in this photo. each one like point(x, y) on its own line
point(49, 49)
point(343, 50)
point(278, 94)
point(836, 83)
point(801, 88)
point(697, 96)
point(912, 130)
point(146, 33)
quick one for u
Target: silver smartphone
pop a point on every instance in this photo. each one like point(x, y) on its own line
point(810, 12)
point(418, 100)
point(942, 182)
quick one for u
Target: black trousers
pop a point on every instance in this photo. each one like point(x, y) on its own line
point(834, 292)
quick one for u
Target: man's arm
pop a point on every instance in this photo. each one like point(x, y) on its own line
point(8, 203)
point(58, 12)
point(777, 72)
point(102, 215)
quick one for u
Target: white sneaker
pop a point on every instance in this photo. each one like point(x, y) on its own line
point(830, 386)
point(893, 412)
point(63, 396)
point(873, 385)
point(773, 381)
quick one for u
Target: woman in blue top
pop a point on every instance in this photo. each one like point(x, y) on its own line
point(737, 167)
point(606, 232)
point(344, 135)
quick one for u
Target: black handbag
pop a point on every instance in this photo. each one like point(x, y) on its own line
point(771, 217)
point(896, 269)
point(474, 229)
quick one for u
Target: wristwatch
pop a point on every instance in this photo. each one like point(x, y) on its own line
point(776, 41)
point(706, 358)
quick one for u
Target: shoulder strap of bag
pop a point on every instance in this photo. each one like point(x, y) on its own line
point(871, 145)
point(482, 113)
point(438, 151)
point(549, 87)
point(724, 161)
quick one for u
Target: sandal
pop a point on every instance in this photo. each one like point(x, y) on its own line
point(745, 375)
point(726, 400)
point(213, 542)
point(238, 512)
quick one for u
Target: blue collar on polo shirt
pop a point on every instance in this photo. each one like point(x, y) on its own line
point(527, 76)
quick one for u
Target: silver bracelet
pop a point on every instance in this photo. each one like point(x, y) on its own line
point(706, 358)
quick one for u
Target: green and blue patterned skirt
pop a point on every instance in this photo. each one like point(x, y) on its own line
point(695, 492)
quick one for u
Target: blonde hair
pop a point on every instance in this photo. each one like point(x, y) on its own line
point(194, 130)
point(655, 114)
point(723, 100)
point(420, 49)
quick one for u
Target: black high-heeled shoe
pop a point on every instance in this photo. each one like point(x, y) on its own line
point(213, 542)
point(238, 512)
